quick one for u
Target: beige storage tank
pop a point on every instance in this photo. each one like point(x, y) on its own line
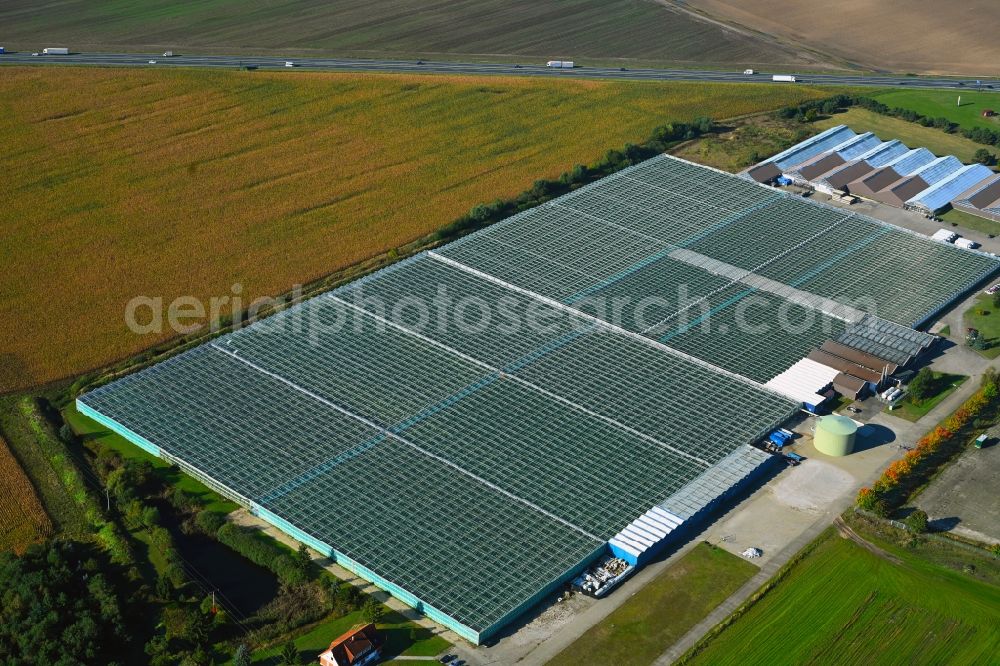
point(835, 435)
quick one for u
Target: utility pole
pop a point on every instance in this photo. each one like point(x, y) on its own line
point(107, 496)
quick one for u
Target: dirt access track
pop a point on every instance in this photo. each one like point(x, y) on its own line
point(918, 36)
point(846, 532)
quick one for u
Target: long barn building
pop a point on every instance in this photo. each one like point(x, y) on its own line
point(839, 160)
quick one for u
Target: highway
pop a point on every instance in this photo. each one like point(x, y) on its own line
point(505, 69)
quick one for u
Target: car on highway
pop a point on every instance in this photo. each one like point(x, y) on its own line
point(152, 62)
point(35, 53)
point(289, 63)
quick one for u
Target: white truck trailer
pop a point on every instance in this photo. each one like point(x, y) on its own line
point(560, 64)
point(56, 50)
point(784, 78)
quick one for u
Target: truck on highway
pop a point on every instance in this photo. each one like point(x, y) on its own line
point(748, 72)
point(560, 64)
point(168, 54)
point(1, 50)
point(56, 50)
point(786, 78)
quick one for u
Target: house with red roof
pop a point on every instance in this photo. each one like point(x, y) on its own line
point(358, 647)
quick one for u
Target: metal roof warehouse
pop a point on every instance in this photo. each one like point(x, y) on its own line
point(471, 470)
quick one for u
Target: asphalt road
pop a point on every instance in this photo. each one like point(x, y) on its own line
point(356, 65)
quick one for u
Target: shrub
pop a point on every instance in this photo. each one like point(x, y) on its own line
point(209, 522)
point(917, 521)
point(242, 656)
point(289, 654)
point(372, 611)
point(263, 551)
point(922, 386)
point(984, 156)
point(183, 501)
point(150, 516)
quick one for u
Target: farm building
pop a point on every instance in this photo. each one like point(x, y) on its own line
point(943, 192)
point(359, 646)
point(840, 161)
point(475, 426)
point(981, 199)
point(837, 178)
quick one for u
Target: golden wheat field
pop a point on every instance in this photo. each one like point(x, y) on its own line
point(23, 521)
point(118, 183)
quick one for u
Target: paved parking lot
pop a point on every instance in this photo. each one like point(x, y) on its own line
point(965, 499)
point(909, 219)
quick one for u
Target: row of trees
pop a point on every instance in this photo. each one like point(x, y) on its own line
point(891, 489)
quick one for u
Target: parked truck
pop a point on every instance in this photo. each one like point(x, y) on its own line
point(785, 78)
point(562, 64)
point(56, 50)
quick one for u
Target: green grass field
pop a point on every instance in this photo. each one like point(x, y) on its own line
point(944, 385)
point(970, 221)
point(656, 616)
point(619, 30)
point(842, 604)
point(944, 103)
point(988, 324)
point(394, 628)
point(912, 134)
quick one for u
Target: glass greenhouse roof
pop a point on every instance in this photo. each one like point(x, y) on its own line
point(471, 425)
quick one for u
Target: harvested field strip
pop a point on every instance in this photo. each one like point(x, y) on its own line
point(185, 182)
point(484, 29)
point(23, 521)
point(920, 36)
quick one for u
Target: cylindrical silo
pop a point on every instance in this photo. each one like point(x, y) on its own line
point(835, 435)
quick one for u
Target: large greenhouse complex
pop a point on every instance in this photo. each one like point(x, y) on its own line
point(472, 427)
